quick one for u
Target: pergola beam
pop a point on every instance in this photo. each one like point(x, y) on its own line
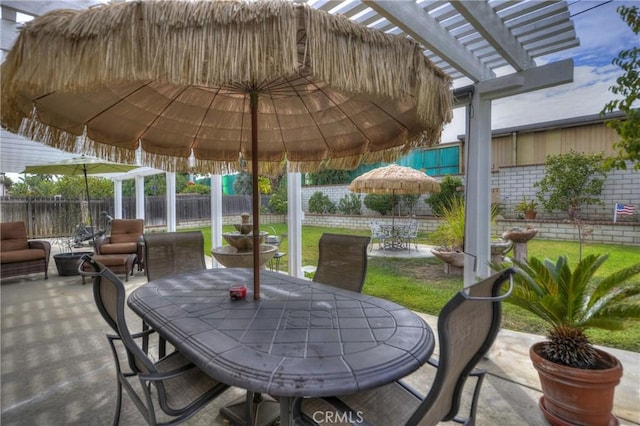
point(421, 26)
point(542, 77)
point(487, 22)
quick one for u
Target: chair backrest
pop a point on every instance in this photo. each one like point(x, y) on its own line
point(376, 229)
point(126, 230)
point(13, 236)
point(343, 261)
point(467, 326)
point(169, 253)
point(109, 294)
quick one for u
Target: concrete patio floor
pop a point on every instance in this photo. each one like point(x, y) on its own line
point(57, 367)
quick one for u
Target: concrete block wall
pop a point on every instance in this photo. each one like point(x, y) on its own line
point(621, 186)
point(601, 232)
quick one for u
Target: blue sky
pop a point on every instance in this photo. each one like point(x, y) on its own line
point(602, 35)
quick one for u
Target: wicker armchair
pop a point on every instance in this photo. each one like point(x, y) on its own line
point(467, 326)
point(343, 261)
point(19, 256)
point(125, 238)
point(172, 385)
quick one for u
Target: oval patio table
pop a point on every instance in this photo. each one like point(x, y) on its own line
point(300, 339)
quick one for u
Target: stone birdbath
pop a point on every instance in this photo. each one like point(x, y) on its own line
point(520, 237)
point(239, 252)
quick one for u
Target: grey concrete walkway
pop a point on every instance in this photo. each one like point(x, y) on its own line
point(57, 368)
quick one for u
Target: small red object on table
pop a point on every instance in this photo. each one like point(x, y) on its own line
point(238, 291)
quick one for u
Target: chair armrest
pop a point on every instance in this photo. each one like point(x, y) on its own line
point(100, 241)
point(140, 250)
point(43, 245)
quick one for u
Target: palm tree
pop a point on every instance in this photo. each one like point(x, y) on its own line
point(573, 301)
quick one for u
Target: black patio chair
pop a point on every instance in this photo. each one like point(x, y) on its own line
point(168, 253)
point(467, 326)
point(342, 261)
point(172, 384)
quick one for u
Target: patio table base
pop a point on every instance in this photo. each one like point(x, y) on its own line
point(264, 410)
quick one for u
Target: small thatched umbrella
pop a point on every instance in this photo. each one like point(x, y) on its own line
point(394, 179)
point(231, 83)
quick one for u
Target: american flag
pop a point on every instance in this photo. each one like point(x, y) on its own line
point(624, 209)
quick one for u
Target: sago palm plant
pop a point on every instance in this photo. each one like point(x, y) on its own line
point(573, 301)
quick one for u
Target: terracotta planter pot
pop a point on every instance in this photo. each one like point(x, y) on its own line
point(574, 396)
point(455, 258)
point(530, 215)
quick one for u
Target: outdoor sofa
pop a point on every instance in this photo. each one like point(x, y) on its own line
point(18, 255)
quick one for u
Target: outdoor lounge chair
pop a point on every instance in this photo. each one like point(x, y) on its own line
point(20, 256)
point(172, 383)
point(342, 261)
point(467, 327)
point(125, 238)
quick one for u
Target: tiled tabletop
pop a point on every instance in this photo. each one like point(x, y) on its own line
point(300, 339)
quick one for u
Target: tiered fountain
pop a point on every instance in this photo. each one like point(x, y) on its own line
point(239, 252)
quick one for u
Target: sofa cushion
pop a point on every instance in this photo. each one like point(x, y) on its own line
point(13, 236)
point(126, 230)
point(120, 248)
point(16, 256)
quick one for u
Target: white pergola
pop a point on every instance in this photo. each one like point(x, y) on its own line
point(489, 48)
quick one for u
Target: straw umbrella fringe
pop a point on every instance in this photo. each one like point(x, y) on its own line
point(228, 45)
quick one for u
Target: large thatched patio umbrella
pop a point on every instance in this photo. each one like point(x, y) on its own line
point(394, 179)
point(230, 83)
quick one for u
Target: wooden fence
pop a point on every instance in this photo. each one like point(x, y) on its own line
point(55, 217)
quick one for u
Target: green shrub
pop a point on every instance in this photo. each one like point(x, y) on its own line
point(448, 195)
point(330, 177)
point(381, 203)
point(350, 204)
point(278, 202)
point(196, 188)
point(320, 203)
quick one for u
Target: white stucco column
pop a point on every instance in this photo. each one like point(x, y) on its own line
point(477, 191)
point(139, 197)
point(216, 215)
point(171, 201)
point(294, 219)
point(117, 199)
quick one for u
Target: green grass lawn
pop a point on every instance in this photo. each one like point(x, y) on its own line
point(422, 285)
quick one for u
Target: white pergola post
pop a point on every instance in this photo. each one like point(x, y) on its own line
point(139, 179)
point(171, 201)
point(477, 191)
point(216, 215)
point(294, 220)
point(117, 199)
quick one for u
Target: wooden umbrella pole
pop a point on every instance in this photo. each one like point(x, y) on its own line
point(253, 102)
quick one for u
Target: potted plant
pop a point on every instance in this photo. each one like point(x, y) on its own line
point(577, 379)
point(528, 208)
point(449, 235)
